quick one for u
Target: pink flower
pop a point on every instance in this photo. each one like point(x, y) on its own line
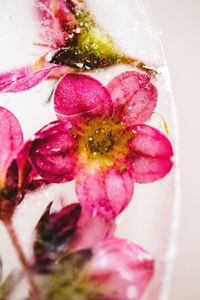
point(119, 269)
point(100, 140)
point(72, 41)
point(57, 24)
point(108, 269)
point(66, 231)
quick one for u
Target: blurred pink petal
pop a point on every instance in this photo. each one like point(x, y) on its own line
point(22, 79)
point(121, 269)
point(90, 230)
point(11, 139)
point(57, 22)
point(78, 97)
point(52, 153)
point(152, 153)
point(134, 97)
point(105, 194)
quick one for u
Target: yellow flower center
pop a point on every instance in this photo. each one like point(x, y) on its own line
point(103, 142)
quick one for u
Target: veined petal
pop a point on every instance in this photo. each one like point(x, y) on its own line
point(121, 269)
point(52, 153)
point(23, 164)
point(22, 79)
point(28, 179)
point(105, 194)
point(152, 153)
point(134, 97)
point(79, 96)
point(11, 139)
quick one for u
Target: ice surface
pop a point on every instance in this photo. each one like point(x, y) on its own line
point(151, 218)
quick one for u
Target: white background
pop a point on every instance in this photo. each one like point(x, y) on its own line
point(179, 21)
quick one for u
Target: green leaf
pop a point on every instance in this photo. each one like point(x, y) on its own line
point(69, 281)
point(92, 48)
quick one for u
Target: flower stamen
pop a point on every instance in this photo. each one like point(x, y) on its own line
point(102, 143)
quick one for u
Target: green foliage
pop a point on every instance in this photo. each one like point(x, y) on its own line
point(63, 282)
point(93, 47)
point(68, 280)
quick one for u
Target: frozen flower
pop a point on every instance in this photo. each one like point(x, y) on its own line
point(100, 140)
point(66, 231)
point(73, 41)
point(57, 21)
point(114, 269)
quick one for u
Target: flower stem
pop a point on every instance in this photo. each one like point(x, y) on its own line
point(22, 258)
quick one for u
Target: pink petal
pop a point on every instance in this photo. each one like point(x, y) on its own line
point(121, 269)
point(28, 179)
point(91, 229)
point(22, 79)
point(52, 153)
point(11, 139)
point(57, 23)
point(134, 97)
point(23, 164)
point(152, 153)
point(105, 194)
point(79, 96)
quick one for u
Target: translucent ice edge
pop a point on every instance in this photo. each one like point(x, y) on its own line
point(172, 245)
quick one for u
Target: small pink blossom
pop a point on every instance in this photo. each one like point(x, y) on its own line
point(120, 270)
point(72, 41)
point(66, 231)
point(100, 140)
point(57, 24)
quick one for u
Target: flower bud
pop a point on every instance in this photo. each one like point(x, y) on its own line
point(120, 269)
